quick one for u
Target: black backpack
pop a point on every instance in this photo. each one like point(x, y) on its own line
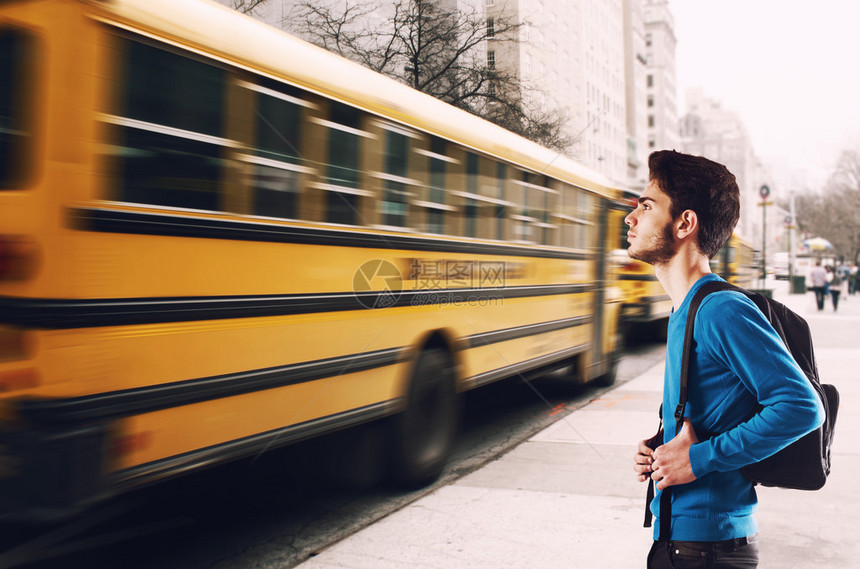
point(804, 464)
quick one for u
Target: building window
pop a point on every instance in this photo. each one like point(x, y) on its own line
point(650, 80)
point(491, 27)
point(650, 100)
point(491, 65)
point(650, 120)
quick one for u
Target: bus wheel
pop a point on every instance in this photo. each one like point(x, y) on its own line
point(423, 434)
point(608, 378)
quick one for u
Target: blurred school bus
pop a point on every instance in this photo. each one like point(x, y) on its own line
point(216, 238)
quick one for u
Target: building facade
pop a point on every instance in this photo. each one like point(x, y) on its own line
point(610, 65)
point(661, 84)
point(635, 77)
point(709, 130)
point(570, 57)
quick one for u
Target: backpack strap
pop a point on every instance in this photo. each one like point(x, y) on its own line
point(704, 290)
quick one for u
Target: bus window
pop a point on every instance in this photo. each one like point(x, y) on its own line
point(533, 221)
point(278, 129)
point(538, 208)
point(431, 165)
point(470, 211)
point(501, 211)
point(588, 214)
point(436, 195)
point(395, 194)
point(168, 129)
point(343, 165)
point(522, 227)
point(17, 70)
point(569, 226)
point(576, 211)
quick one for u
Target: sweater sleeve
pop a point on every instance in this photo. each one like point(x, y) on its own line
point(733, 331)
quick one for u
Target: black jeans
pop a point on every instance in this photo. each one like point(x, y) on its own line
point(835, 295)
point(730, 554)
point(820, 295)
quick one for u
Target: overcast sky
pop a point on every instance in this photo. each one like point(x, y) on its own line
point(789, 68)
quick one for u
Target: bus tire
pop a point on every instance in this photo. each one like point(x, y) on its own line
point(423, 434)
point(608, 378)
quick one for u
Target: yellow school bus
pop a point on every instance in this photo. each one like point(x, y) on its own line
point(735, 262)
point(217, 239)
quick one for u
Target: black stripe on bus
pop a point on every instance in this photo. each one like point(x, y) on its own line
point(128, 402)
point(177, 225)
point(488, 338)
point(248, 446)
point(86, 313)
point(526, 366)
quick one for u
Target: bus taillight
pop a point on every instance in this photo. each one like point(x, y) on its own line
point(19, 257)
point(18, 379)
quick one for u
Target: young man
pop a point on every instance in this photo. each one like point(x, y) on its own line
point(747, 398)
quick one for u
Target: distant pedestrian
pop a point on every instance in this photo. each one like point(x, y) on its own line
point(835, 284)
point(745, 389)
point(852, 279)
point(818, 278)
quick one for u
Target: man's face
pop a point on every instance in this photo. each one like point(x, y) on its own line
point(650, 232)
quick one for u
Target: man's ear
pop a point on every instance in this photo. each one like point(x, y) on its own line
point(687, 224)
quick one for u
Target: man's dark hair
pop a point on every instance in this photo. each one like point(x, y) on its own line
point(701, 185)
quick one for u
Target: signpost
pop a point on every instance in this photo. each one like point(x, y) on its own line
point(790, 228)
point(764, 192)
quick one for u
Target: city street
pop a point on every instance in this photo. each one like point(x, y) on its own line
point(568, 497)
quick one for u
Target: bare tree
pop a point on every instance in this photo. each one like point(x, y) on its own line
point(844, 187)
point(835, 213)
point(438, 49)
point(247, 6)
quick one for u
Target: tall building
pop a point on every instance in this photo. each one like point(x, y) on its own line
point(719, 134)
point(661, 85)
point(572, 52)
point(635, 77)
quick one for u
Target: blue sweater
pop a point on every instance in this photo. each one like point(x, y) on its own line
point(739, 361)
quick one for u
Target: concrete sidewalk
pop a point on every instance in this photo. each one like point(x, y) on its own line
point(568, 496)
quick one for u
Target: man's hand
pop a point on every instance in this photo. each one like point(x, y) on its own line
point(642, 460)
point(670, 463)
